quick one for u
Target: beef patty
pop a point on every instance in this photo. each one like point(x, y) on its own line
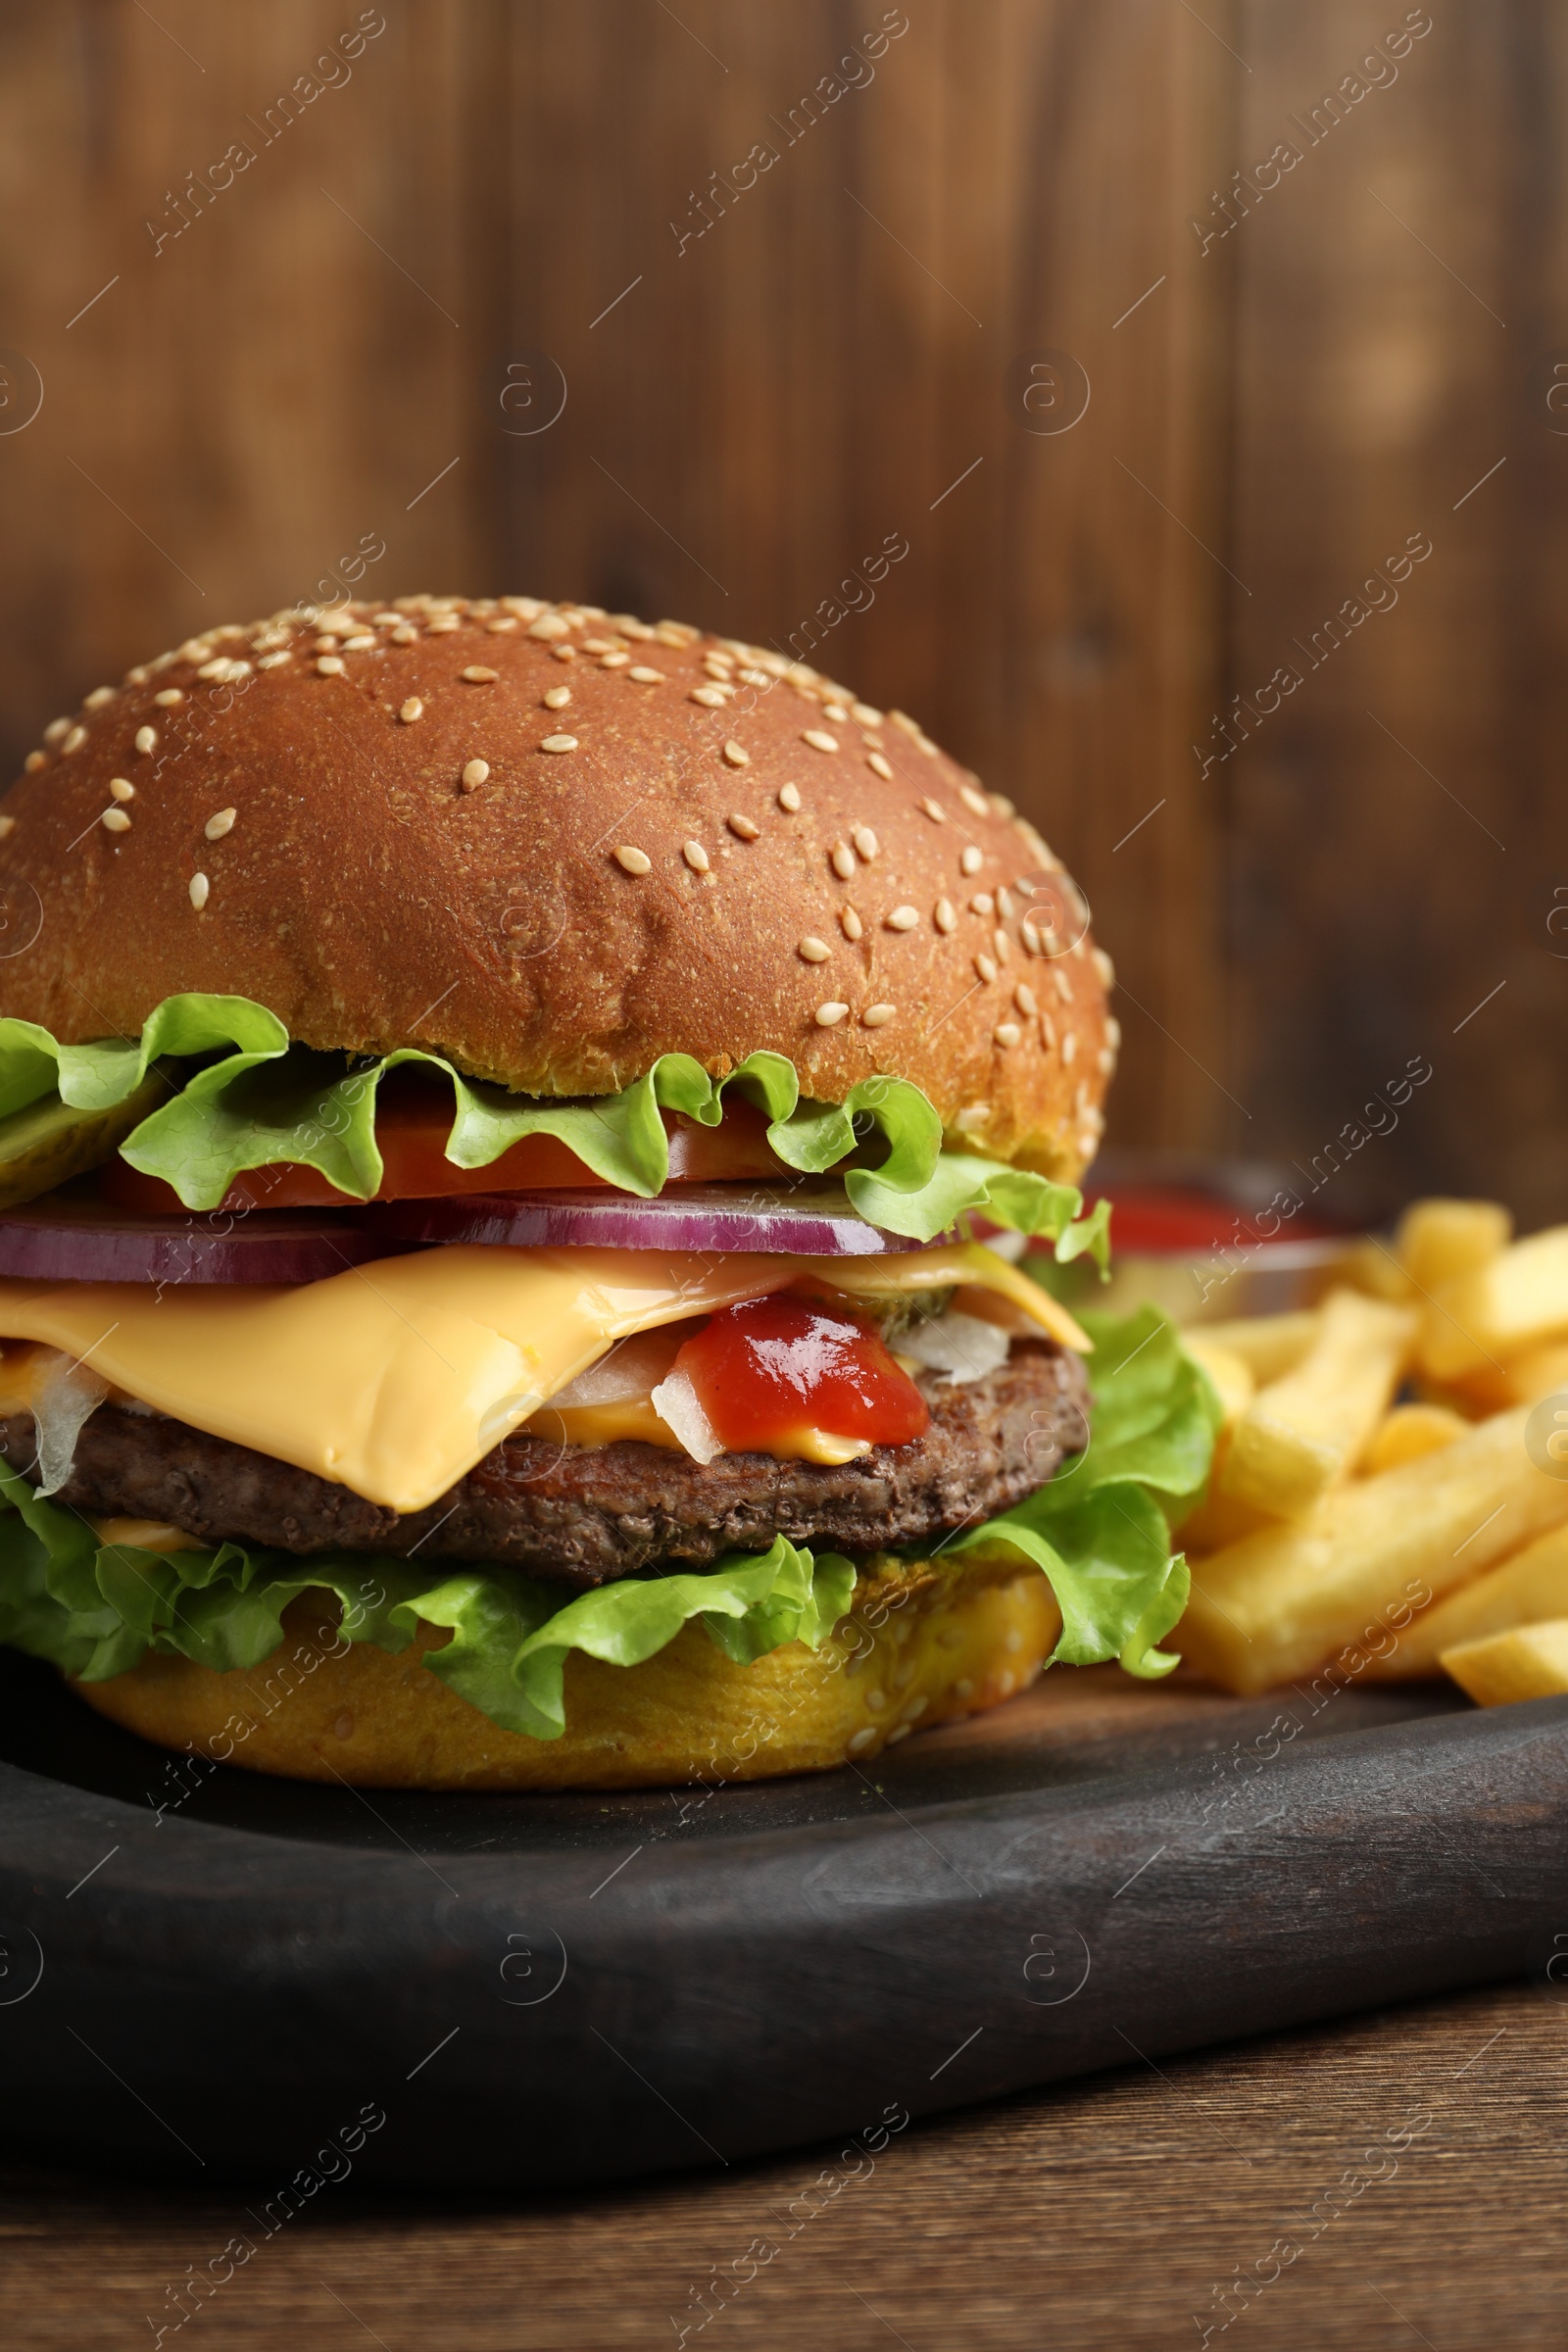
point(590, 1514)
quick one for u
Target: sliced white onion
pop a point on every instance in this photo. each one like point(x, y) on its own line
point(680, 1408)
point(65, 1393)
point(962, 1345)
point(630, 1370)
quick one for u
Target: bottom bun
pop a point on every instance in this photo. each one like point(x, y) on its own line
point(920, 1647)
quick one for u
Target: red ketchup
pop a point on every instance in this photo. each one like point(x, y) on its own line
point(773, 1366)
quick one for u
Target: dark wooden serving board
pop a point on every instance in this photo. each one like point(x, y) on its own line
point(562, 1989)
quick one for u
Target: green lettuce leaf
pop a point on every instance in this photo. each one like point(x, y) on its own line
point(267, 1102)
point(1100, 1530)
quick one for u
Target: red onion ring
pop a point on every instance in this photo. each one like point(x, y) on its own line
point(84, 1241)
point(804, 1220)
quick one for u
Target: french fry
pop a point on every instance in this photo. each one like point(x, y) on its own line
point(1301, 1433)
point(1219, 1519)
point(1532, 1662)
point(1372, 1268)
point(1408, 1432)
point(1502, 1310)
point(1438, 1241)
point(1495, 1388)
point(1230, 1375)
point(1268, 1345)
point(1281, 1602)
point(1527, 1590)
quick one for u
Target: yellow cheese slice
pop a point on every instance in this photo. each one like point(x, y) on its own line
point(394, 1379)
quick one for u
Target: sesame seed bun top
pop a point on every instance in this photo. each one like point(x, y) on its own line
point(554, 844)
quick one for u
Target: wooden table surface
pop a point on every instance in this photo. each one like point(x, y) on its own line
point(1106, 2213)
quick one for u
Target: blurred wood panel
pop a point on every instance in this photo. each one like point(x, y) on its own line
point(1396, 830)
point(801, 370)
point(758, 398)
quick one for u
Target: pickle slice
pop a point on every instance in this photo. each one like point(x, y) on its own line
point(48, 1141)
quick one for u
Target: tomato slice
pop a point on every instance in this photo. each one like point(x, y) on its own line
point(413, 1120)
point(775, 1366)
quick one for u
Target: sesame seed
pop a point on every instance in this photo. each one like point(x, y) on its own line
point(1003, 945)
point(789, 797)
point(442, 624)
point(405, 635)
point(1113, 1033)
point(615, 660)
point(865, 842)
point(477, 771)
point(742, 826)
point(330, 665)
point(1063, 985)
point(1030, 937)
point(34, 761)
point(98, 697)
point(852, 925)
point(713, 698)
point(74, 740)
point(934, 811)
point(986, 968)
point(476, 674)
point(200, 889)
point(903, 918)
point(635, 862)
point(146, 739)
point(1005, 903)
point(1104, 967)
point(879, 767)
point(1069, 1048)
point(863, 715)
point(217, 826)
point(559, 743)
point(274, 661)
point(412, 709)
point(556, 699)
point(562, 652)
point(737, 755)
point(1107, 1059)
point(971, 861)
point(819, 739)
point(549, 625)
point(645, 676)
point(1023, 995)
point(905, 723)
point(944, 916)
point(1047, 1030)
point(502, 627)
point(982, 902)
point(812, 951)
point(1007, 1033)
point(877, 1016)
point(836, 713)
point(55, 729)
point(695, 855)
point(167, 696)
point(973, 800)
point(842, 859)
point(115, 820)
point(358, 643)
point(829, 1015)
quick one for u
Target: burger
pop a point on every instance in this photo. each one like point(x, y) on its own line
point(537, 1190)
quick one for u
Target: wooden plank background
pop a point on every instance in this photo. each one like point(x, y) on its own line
point(830, 350)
